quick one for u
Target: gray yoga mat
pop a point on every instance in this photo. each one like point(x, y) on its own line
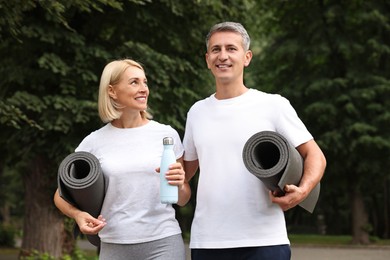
point(272, 159)
point(81, 183)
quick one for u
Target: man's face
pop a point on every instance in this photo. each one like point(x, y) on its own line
point(226, 57)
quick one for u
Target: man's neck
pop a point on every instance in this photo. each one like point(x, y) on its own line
point(226, 91)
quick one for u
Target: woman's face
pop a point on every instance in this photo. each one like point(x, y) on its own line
point(132, 91)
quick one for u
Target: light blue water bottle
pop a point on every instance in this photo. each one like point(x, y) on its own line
point(168, 193)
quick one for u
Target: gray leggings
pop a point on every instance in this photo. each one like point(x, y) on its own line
point(169, 248)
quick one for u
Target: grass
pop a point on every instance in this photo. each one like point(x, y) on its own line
point(8, 251)
point(12, 253)
point(328, 240)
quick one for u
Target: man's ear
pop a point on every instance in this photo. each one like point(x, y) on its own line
point(248, 58)
point(207, 60)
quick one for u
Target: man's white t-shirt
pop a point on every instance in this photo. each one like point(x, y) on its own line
point(233, 206)
point(128, 158)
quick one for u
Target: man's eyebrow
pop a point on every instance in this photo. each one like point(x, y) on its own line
point(231, 45)
point(215, 45)
point(226, 45)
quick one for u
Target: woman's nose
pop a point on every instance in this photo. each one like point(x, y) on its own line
point(144, 86)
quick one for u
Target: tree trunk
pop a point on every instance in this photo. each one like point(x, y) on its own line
point(43, 224)
point(360, 225)
point(386, 219)
point(5, 214)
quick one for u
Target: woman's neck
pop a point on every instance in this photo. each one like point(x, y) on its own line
point(129, 121)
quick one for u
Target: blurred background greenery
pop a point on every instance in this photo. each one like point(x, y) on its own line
point(330, 58)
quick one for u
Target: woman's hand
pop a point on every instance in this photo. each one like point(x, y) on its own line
point(89, 225)
point(175, 175)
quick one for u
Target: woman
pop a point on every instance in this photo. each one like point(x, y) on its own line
point(133, 224)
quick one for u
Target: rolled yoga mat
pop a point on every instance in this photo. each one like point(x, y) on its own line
point(81, 183)
point(272, 159)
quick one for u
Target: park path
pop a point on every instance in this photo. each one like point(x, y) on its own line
point(318, 252)
point(340, 253)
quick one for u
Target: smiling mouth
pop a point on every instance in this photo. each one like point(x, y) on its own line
point(223, 66)
point(141, 98)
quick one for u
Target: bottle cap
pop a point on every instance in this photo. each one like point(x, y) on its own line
point(167, 140)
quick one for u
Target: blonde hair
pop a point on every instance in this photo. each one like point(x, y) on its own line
point(111, 75)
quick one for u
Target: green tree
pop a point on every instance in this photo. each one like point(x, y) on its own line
point(43, 65)
point(331, 58)
point(52, 55)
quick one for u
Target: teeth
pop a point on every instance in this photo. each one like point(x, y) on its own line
point(222, 66)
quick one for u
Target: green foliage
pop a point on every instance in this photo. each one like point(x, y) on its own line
point(12, 116)
point(36, 255)
point(9, 198)
point(331, 59)
point(53, 53)
point(7, 236)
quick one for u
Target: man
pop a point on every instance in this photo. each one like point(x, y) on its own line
point(236, 217)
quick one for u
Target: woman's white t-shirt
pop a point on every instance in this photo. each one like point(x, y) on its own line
point(128, 158)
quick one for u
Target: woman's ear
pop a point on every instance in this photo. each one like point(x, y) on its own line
point(111, 92)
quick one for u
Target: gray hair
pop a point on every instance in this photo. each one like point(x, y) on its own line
point(230, 27)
